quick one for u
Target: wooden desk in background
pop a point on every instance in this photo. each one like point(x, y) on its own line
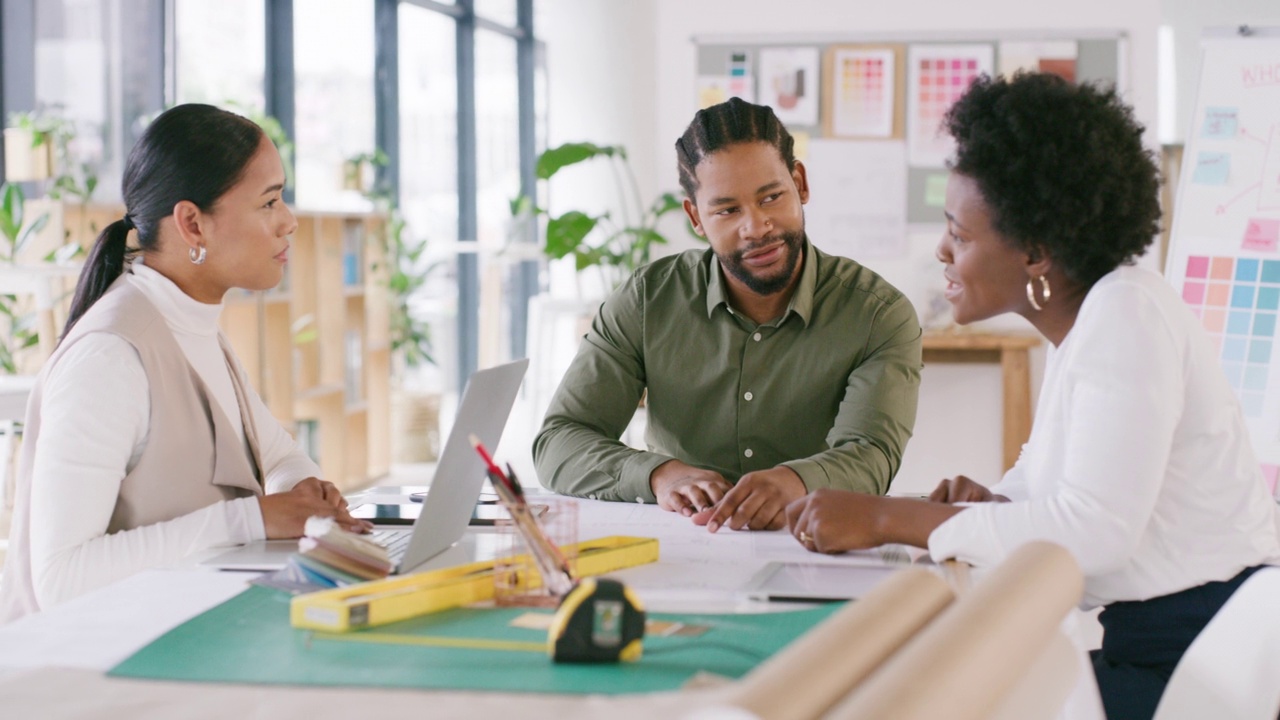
point(1012, 353)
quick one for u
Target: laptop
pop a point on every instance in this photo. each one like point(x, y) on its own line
point(446, 510)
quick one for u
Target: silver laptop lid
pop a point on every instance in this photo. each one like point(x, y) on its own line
point(460, 474)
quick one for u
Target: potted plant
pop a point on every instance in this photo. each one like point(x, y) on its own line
point(28, 150)
point(614, 245)
point(49, 158)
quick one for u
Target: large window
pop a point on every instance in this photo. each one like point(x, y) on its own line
point(429, 124)
point(497, 181)
point(77, 81)
point(333, 69)
point(445, 88)
point(220, 52)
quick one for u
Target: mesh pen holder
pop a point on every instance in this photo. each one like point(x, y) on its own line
point(517, 581)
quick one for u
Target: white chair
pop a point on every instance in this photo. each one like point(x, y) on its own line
point(1232, 670)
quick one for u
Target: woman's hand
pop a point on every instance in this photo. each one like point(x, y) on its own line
point(962, 489)
point(834, 521)
point(284, 514)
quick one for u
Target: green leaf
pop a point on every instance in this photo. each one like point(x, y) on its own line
point(584, 259)
point(648, 236)
point(31, 231)
point(64, 254)
point(565, 233)
point(523, 205)
point(554, 159)
point(11, 211)
point(667, 202)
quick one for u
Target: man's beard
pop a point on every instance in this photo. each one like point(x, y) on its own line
point(793, 246)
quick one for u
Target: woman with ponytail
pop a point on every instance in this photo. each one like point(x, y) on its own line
point(144, 441)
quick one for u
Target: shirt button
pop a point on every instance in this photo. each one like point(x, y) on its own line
point(640, 500)
point(748, 396)
point(748, 452)
point(592, 496)
point(756, 337)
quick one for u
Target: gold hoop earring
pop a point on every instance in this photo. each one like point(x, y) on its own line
point(1031, 292)
point(197, 258)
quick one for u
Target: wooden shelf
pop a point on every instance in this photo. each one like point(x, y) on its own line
point(338, 380)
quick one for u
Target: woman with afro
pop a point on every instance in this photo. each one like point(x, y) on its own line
point(1139, 463)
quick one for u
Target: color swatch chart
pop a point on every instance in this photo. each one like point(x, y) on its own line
point(862, 88)
point(1238, 299)
point(942, 82)
point(937, 76)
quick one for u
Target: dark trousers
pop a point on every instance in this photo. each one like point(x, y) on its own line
point(1142, 642)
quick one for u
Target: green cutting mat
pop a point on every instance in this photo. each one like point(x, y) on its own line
point(248, 639)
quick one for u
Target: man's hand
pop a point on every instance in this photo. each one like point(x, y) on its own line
point(686, 489)
point(834, 521)
point(962, 489)
point(757, 502)
point(284, 514)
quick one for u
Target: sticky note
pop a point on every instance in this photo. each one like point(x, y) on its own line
point(801, 146)
point(1212, 168)
point(1220, 123)
point(935, 190)
point(1262, 234)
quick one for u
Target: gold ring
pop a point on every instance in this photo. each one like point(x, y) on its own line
point(805, 538)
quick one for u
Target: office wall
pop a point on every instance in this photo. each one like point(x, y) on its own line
point(959, 426)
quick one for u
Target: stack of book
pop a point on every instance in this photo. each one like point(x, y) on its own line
point(329, 556)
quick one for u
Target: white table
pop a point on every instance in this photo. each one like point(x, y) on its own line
point(52, 663)
point(72, 645)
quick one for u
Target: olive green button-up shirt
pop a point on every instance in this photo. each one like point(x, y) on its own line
point(828, 389)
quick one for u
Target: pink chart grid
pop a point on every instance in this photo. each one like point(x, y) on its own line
point(1237, 300)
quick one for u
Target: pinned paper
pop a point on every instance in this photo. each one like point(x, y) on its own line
point(800, 147)
point(1220, 123)
point(935, 190)
point(1212, 168)
point(1262, 234)
point(712, 90)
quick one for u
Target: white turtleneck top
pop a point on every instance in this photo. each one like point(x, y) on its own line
point(98, 397)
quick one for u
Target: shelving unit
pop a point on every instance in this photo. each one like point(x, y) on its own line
point(318, 347)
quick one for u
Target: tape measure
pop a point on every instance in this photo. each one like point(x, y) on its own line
point(598, 621)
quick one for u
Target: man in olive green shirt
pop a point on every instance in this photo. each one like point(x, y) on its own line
point(772, 369)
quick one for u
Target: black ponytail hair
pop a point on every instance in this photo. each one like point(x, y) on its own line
point(190, 152)
point(729, 123)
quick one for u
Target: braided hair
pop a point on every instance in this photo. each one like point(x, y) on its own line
point(729, 123)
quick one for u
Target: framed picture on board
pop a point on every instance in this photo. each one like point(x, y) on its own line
point(865, 92)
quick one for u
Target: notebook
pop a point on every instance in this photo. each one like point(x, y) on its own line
point(460, 474)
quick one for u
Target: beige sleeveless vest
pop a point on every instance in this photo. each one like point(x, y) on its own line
point(193, 457)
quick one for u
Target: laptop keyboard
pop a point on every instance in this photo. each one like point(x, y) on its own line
point(395, 541)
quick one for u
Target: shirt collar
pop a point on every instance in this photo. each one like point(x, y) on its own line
point(801, 300)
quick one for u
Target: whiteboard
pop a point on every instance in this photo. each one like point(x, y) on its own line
point(1224, 253)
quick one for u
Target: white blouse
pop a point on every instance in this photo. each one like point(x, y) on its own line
point(1139, 462)
point(96, 411)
